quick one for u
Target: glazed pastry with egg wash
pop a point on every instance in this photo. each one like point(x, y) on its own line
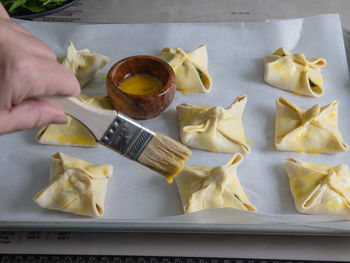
point(203, 187)
point(319, 189)
point(213, 128)
point(308, 131)
point(85, 65)
point(191, 69)
point(294, 72)
point(76, 186)
point(73, 133)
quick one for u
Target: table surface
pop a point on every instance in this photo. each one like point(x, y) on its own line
point(184, 244)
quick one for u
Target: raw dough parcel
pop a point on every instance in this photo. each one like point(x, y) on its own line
point(191, 69)
point(311, 131)
point(294, 72)
point(319, 189)
point(76, 186)
point(84, 64)
point(214, 128)
point(73, 133)
point(202, 187)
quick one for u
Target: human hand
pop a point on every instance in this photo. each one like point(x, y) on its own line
point(28, 70)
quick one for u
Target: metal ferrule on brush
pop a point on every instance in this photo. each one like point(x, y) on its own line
point(126, 137)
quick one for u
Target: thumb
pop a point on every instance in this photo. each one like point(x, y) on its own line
point(30, 114)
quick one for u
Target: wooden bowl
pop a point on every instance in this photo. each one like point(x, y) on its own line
point(141, 107)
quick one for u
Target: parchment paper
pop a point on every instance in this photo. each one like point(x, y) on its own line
point(236, 51)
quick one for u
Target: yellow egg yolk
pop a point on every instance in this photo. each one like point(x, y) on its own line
point(140, 84)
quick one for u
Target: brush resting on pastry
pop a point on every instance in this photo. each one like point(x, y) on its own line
point(73, 133)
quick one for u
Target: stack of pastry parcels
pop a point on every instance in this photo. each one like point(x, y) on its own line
point(73, 133)
point(218, 130)
point(76, 186)
point(312, 131)
point(214, 128)
point(85, 65)
point(191, 69)
point(319, 189)
point(294, 72)
point(202, 187)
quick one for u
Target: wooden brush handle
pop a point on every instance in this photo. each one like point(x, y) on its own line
point(96, 120)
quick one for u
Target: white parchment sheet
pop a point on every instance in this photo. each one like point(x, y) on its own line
point(236, 51)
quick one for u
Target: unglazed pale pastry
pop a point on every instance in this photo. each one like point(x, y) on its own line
point(311, 131)
point(294, 72)
point(191, 69)
point(76, 186)
point(73, 133)
point(213, 128)
point(84, 64)
point(319, 189)
point(202, 187)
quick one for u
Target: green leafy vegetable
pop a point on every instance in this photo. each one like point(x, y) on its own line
point(200, 75)
point(312, 84)
point(34, 6)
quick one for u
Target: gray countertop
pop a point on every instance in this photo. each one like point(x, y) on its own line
point(151, 11)
point(186, 11)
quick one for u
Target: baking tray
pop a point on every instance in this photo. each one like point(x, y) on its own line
point(140, 200)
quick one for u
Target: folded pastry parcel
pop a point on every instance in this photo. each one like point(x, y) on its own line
point(191, 69)
point(73, 133)
point(76, 186)
point(319, 189)
point(213, 128)
point(294, 72)
point(202, 187)
point(311, 131)
point(84, 64)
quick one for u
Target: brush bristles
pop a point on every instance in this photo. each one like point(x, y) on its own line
point(165, 156)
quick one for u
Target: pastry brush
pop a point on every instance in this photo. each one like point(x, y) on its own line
point(121, 134)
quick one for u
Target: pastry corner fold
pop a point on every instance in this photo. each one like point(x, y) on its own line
point(294, 72)
point(191, 69)
point(319, 189)
point(202, 187)
point(76, 186)
point(314, 130)
point(214, 128)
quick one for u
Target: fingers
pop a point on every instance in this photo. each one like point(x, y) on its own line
point(34, 46)
point(57, 80)
point(30, 114)
point(29, 70)
point(13, 25)
point(3, 13)
point(19, 39)
point(32, 71)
